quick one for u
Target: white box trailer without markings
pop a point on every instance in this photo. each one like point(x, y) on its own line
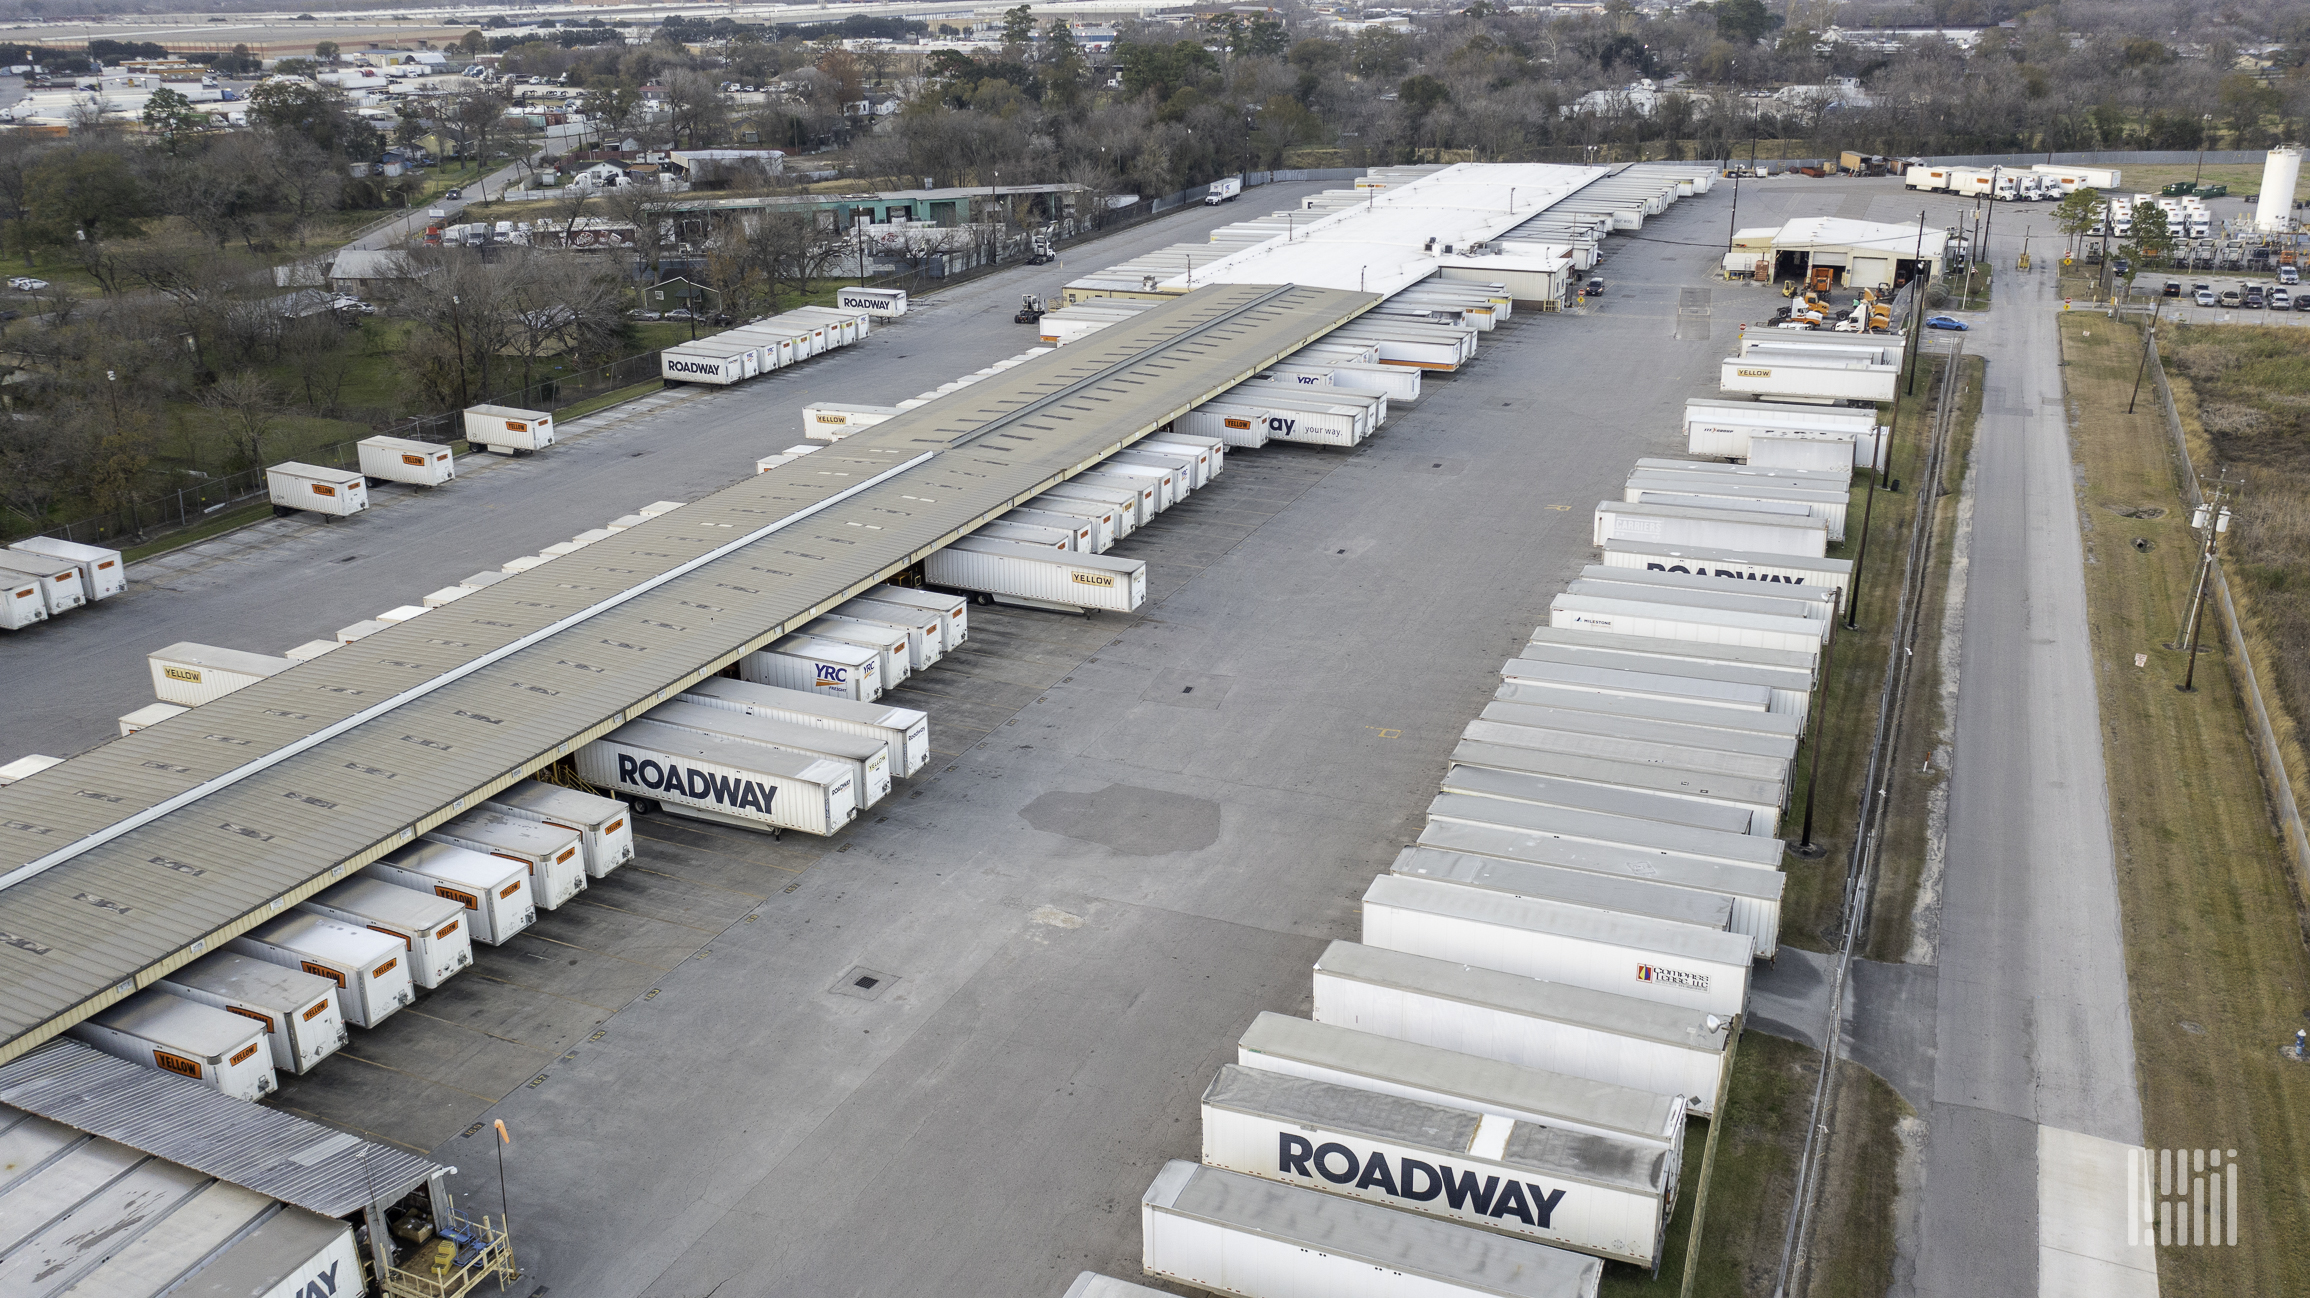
point(1603, 799)
point(298, 1010)
point(835, 668)
point(1113, 514)
point(1159, 486)
point(21, 605)
point(1718, 427)
point(1546, 735)
point(1837, 476)
point(1728, 529)
point(56, 581)
point(432, 930)
point(370, 969)
point(1082, 533)
point(102, 573)
point(1389, 1065)
point(604, 826)
point(954, 608)
point(1669, 487)
point(1771, 733)
point(151, 714)
point(1176, 443)
point(1761, 800)
point(1575, 1031)
point(399, 459)
point(727, 781)
point(1017, 574)
point(895, 661)
point(553, 855)
point(1692, 842)
point(1045, 538)
point(1732, 565)
point(1638, 684)
point(1661, 620)
point(1586, 1192)
point(1793, 676)
point(1682, 651)
point(925, 631)
point(220, 1050)
point(1132, 499)
point(1674, 964)
point(905, 730)
point(506, 430)
point(495, 890)
point(868, 756)
point(1571, 887)
point(1773, 451)
point(1193, 468)
point(189, 674)
point(1754, 890)
point(1236, 1234)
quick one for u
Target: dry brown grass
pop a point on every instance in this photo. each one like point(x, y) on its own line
point(2217, 971)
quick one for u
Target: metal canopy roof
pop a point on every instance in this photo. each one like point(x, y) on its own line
point(265, 1150)
point(196, 846)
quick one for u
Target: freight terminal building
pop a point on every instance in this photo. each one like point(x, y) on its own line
point(1862, 254)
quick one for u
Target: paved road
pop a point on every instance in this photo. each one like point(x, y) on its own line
point(2032, 1028)
point(394, 232)
point(270, 587)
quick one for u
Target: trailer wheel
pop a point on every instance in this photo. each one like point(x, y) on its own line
point(282, 511)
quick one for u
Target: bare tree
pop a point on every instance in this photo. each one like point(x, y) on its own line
point(247, 410)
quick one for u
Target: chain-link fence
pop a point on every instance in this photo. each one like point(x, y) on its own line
point(190, 506)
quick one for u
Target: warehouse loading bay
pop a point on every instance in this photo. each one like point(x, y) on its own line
point(945, 1050)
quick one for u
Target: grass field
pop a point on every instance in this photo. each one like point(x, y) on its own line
point(2217, 970)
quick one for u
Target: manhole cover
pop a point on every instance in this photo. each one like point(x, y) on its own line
point(864, 983)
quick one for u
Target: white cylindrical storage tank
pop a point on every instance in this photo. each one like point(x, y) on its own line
point(1605, 1037)
point(954, 608)
point(551, 853)
point(297, 1010)
point(189, 675)
point(432, 930)
point(152, 714)
point(398, 459)
point(1224, 1231)
point(727, 781)
point(925, 631)
point(494, 890)
point(2281, 171)
point(867, 756)
point(56, 581)
point(1524, 1180)
point(1673, 964)
point(337, 493)
point(1018, 574)
point(904, 729)
point(102, 574)
point(370, 969)
point(1726, 529)
point(832, 667)
point(604, 827)
point(220, 1050)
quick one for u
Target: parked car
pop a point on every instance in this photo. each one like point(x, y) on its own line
point(2302, 301)
point(2205, 297)
point(645, 315)
point(2173, 288)
point(1947, 322)
point(27, 284)
point(2289, 274)
point(2281, 300)
point(2254, 297)
point(454, 193)
point(680, 313)
point(2231, 297)
point(1594, 287)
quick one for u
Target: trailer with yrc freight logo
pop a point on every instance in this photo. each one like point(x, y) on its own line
point(832, 667)
point(867, 756)
point(728, 781)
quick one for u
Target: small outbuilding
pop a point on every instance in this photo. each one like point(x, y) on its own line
point(1863, 254)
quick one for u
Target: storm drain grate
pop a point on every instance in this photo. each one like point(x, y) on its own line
point(864, 983)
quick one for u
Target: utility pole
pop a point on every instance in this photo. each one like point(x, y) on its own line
point(1916, 310)
point(2213, 519)
point(2149, 340)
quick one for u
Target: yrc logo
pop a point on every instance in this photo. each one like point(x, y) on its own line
point(832, 674)
point(2186, 1197)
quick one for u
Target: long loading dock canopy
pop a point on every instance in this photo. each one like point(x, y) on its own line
point(125, 863)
